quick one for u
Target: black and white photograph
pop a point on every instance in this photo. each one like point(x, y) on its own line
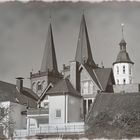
point(69, 69)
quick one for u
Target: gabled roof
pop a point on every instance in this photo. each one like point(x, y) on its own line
point(114, 104)
point(104, 75)
point(63, 87)
point(100, 76)
point(44, 94)
point(9, 92)
point(92, 74)
point(83, 52)
point(123, 56)
point(49, 62)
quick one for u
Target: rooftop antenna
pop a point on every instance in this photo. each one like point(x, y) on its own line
point(122, 25)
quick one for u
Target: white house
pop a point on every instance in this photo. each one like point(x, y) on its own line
point(14, 100)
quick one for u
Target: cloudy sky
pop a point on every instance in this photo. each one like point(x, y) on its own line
point(23, 30)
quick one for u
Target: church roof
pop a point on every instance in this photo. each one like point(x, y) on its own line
point(114, 104)
point(103, 75)
point(63, 87)
point(49, 62)
point(100, 76)
point(9, 92)
point(83, 52)
point(123, 56)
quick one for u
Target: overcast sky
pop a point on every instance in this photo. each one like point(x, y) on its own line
point(23, 30)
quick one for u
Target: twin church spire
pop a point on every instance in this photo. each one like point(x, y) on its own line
point(83, 52)
point(49, 62)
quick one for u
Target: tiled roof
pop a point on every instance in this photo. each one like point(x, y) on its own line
point(83, 52)
point(9, 92)
point(49, 62)
point(114, 104)
point(100, 76)
point(63, 87)
point(103, 75)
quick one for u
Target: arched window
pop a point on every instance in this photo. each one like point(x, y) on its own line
point(33, 86)
point(123, 69)
point(43, 84)
point(124, 81)
point(39, 86)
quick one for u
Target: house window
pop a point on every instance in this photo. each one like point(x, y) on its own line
point(124, 81)
point(89, 104)
point(130, 70)
point(117, 70)
point(84, 104)
point(117, 81)
point(123, 69)
point(58, 113)
point(87, 87)
point(46, 104)
point(130, 81)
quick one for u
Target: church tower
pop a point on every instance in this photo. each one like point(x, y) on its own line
point(49, 71)
point(122, 67)
point(83, 52)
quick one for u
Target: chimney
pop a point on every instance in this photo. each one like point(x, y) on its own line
point(19, 83)
point(74, 76)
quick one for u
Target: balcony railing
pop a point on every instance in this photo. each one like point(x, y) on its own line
point(69, 128)
point(39, 111)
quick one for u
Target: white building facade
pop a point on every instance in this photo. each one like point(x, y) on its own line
point(122, 67)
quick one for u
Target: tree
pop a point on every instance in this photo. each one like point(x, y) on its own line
point(6, 122)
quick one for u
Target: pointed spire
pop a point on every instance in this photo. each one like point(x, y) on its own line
point(49, 62)
point(83, 52)
point(123, 56)
point(122, 42)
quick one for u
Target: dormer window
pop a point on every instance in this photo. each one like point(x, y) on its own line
point(123, 69)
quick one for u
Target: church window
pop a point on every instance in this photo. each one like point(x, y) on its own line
point(43, 84)
point(39, 86)
point(33, 87)
point(117, 70)
point(124, 81)
point(58, 113)
point(123, 69)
